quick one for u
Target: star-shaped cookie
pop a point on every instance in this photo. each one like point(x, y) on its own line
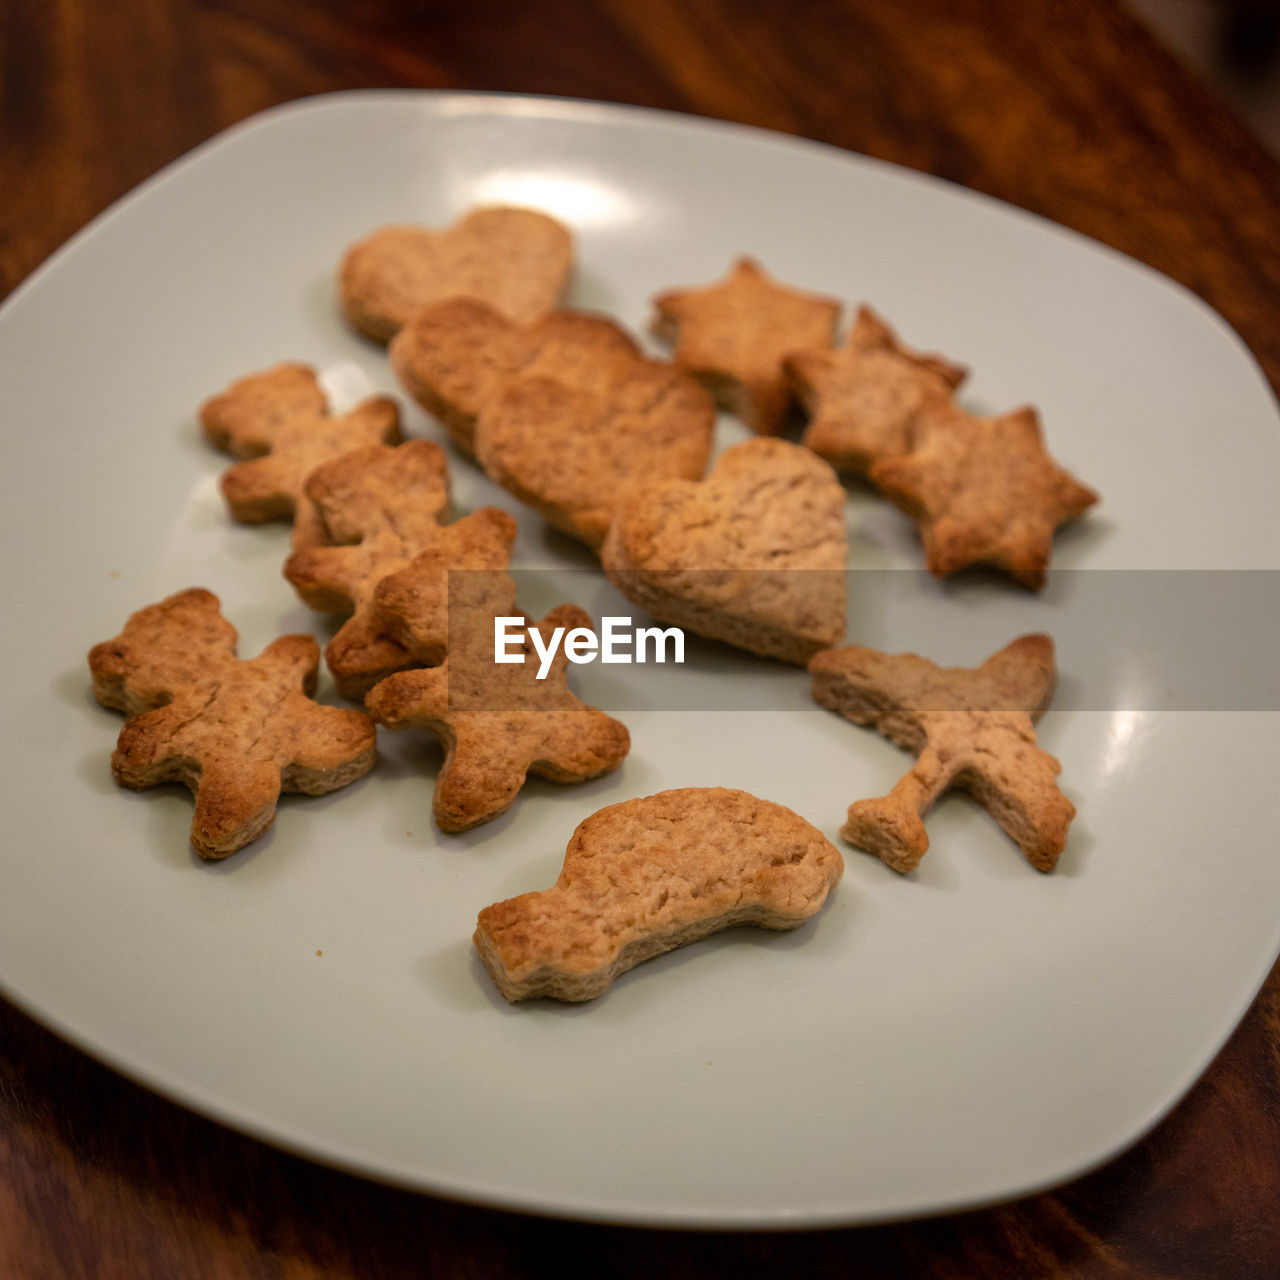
point(380, 506)
point(735, 335)
point(498, 722)
point(237, 733)
point(279, 421)
point(862, 397)
point(971, 728)
point(984, 491)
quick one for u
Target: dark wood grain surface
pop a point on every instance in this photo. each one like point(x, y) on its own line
point(1072, 111)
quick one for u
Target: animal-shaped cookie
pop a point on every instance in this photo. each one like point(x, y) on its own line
point(279, 422)
point(412, 605)
point(971, 728)
point(517, 260)
point(862, 397)
point(237, 733)
point(454, 357)
point(646, 876)
point(499, 722)
point(577, 455)
point(736, 334)
point(754, 555)
point(380, 506)
point(984, 491)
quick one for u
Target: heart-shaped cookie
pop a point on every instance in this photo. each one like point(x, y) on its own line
point(753, 555)
point(578, 454)
point(517, 260)
point(453, 357)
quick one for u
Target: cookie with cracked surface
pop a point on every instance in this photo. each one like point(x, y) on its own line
point(862, 397)
point(236, 732)
point(971, 728)
point(412, 605)
point(498, 722)
point(753, 555)
point(577, 454)
point(646, 876)
point(455, 356)
point(380, 506)
point(517, 260)
point(279, 422)
point(736, 334)
point(983, 490)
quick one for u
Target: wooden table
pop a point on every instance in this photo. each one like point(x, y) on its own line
point(1069, 110)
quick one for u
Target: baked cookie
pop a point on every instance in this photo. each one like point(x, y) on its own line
point(984, 491)
point(380, 506)
point(517, 260)
point(279, 421)
point(735, 335)
point(498, 721)
point(237, 733)
point(577, 455)
point(647, 876)
point(454, 357)
point(862, 397)
point(753, 555)
point(971, 728)
point(412, 605)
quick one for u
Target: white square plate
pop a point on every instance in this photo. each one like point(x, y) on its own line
point(970, 1033)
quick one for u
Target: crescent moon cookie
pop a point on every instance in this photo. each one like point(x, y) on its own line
point(753, 555)
point(456, 356)
point(971, 728)
point(735, 335)
point(517, 260)
point(237, 733)
point(862, 397)
point(984, 491)
point(649, 875)
point(279, 422)
point(500, 722)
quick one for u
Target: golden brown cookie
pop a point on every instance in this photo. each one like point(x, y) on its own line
point(380, 506)
point(498, 722)
point(412, 605)
point(577, 455)
point(517, 260)
point(647, 876)
point(454, 357)
point(862, 397)
point(971, 728)
point(984, 491)
point(753, 555)
point(237, 733)
point(736, 334)
point(279, 421)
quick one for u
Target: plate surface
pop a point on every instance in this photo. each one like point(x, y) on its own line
point(970, 1033)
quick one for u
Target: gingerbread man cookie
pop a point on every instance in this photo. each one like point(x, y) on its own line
point(736, 334)
point(380, 506)
point(646, 876)
point(517, 260)
point(971, 728)
point(237, 733)
point(279, 421)
point(499, 722)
